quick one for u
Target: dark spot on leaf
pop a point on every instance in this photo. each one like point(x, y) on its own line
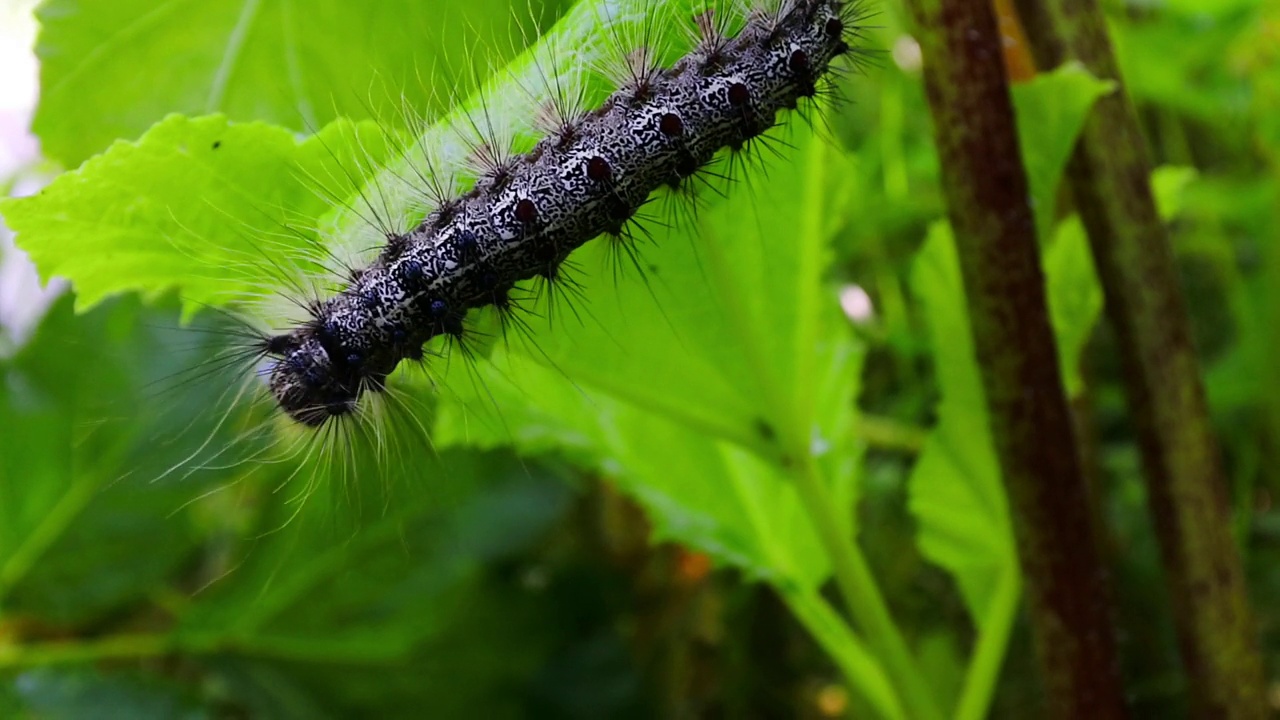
point(765, 430)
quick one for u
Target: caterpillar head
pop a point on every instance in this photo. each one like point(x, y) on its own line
point(305, 382)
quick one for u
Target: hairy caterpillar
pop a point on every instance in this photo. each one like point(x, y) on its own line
point(426, 249)
point(527, 213)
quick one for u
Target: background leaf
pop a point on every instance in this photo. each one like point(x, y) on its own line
point(66, 696)
point(89, 531)
point(956, 490)
point(955, 487)
point(1051, 110)
point(299, 65)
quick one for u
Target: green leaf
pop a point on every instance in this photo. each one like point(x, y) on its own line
point(399, 609)
point(695, 386)
point(299, 65)
point(1075, 298)
point(495, 637)
point(86, 693)
point(202, 204)
point(955, 489)
point(225, 210)
point(1169, 184)
point(323, 581)
point(1051, 110)
point(703, 357)
point(1177, 63)
point(87, 516)
point(1075, 294)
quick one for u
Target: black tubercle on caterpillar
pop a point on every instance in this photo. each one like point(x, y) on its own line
point(524, 218)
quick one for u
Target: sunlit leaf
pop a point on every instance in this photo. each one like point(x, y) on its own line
point(201, 204)
point(662, 376)
point(269, 60)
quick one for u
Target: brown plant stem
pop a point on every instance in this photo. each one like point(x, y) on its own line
point(987, 196)
point(1186, 486)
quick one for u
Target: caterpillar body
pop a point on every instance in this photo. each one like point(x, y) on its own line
point(526, 214)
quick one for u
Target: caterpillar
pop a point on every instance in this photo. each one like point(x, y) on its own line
point(527, 213)
point(406, 250)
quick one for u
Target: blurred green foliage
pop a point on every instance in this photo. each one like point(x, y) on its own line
point(151, 565)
